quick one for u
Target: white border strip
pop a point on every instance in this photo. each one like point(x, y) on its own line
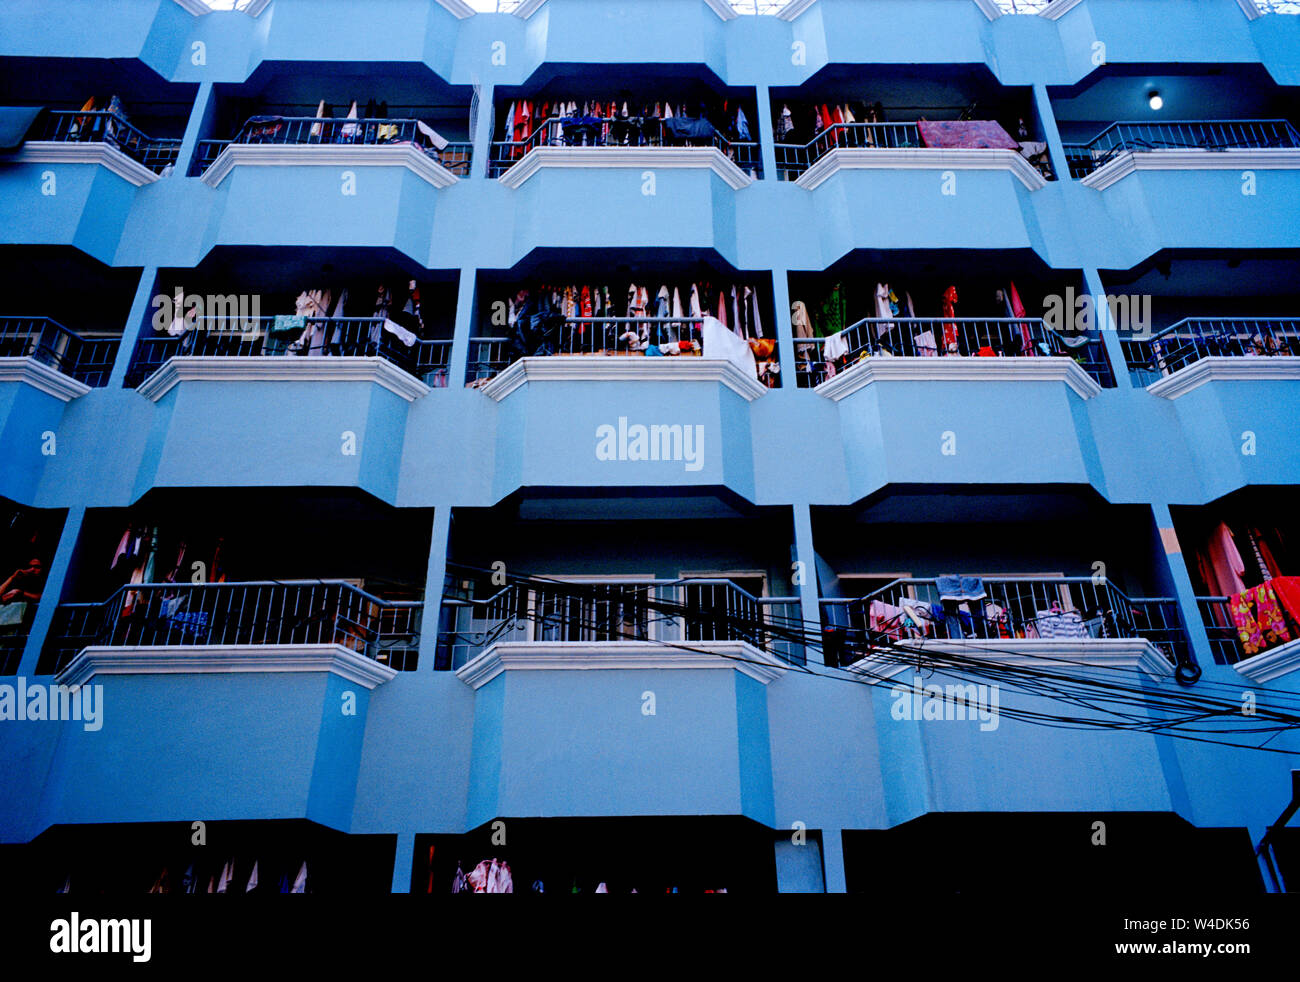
point(41, 376)
point(281, 368)
point(234, 659)
point(458, 8)
point(527, 8)
point(1267, 158)
point(307, 155)
point(989, 9)
point(1269, 665)
point(922, 158)
point(1250, 9)
point(59, 152)
point(1058, 9)
point(952, 368)
point(623, 368)
point(796, 7)
point(196, 7)
point(1220, 368)
point(588, 656)
point(1135, 653)
point(639, 157)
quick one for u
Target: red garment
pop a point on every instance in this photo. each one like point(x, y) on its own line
point(1287, 589)
point(950, 310)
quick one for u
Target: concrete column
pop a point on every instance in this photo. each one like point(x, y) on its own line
point(402, 863)
point(136, 322)
point(1109, 335)
point(808, 599)
point(204, 107)
point(833, 861)
point(482, 135)
point(784, 332)
point(52, 591)
point(1047, 123)
point(766, 140)
point(434, 574)
point(464, 328)
point(1176, 568)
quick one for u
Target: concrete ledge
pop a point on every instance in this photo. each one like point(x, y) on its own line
point(327, 155)
point(1058, 9)
point(921, 158)
point(698, 158)
point(226, 659)
point(1219, 368)
point(1129, 653)
point(41, 376)
point(103, 154)
point(533, 656)
point(281, 368)
point(1272, 664)
point(623, 368)
point(959, 369)
point(1119, 167)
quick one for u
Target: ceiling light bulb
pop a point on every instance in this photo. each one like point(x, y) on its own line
point(1155, 101)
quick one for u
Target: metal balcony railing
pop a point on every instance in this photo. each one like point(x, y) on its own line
point(1007, 337)
point(88, 360)
point(267, 612)
point(1216, 615)
point(593, 131)
point(314, 131)
point(233, 337)
point(558, 335)
point(1213, 134)
point(81, 126)
point(1015, 607)
point(792, 159)
point(1194, 338)
point(11, 652)
point(675, 612)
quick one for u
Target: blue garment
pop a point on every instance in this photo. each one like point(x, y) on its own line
point(953, 587)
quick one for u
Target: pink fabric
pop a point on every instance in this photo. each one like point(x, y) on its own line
point(965, 134)
point(1287, 589)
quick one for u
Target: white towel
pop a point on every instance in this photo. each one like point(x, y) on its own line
point(719, 342)
point(405, 336)
point(836, 346)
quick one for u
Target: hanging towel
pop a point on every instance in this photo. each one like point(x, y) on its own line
point(723, 344)
point(433, 136)
point(836, 346)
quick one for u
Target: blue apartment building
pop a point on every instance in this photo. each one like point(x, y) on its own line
point(658, 445)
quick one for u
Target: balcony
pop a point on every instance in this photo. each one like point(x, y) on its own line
point(58, 133)
point(1019, 619)
point(205, 627)
point(1198, 349)
point(903, 348)
point(1124, 147)
point(598, 141)
point(273, 348)
point(47, 354)
point(690, 623)
point(290, 140)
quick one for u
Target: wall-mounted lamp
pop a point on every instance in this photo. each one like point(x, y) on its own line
point(1155, 101)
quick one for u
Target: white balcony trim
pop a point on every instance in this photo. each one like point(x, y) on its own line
point(1058, 9)
point(697, 158)
point(196, 7)
point(255, 7)
point(457, 8)
point(1249, 8)
point(1221, 368)
point(326, 155)
point(61, 152)
point(796, 7)
point(989, 9)
point(1270, 665)
point(533, 656)
point(41, 376)
point(527, 8)
point(281, 368)
point(921, 158)
point(623, 368)
point(1267, 158)
point(722, 9)
point(1131, 653)
point(951, 368)
point(186, 659)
